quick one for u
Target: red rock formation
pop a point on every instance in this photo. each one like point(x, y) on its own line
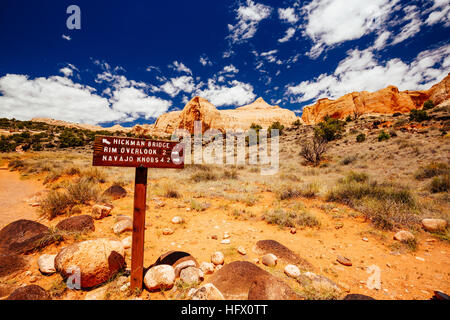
point(385, 101)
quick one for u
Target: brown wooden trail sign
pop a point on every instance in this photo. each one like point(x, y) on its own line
point(141, 154)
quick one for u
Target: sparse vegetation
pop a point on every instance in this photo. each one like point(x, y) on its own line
point(329, 129)
point(427, 105)
point(361, 137)
point(286, 218)
point(418, 115)
point(383, 136)
point(432, 170)
point(314, 151)
point(440, 184)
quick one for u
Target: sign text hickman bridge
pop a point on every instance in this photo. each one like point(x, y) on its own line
point(130, 152)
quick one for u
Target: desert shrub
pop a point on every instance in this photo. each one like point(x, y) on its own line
point(297, 123)
point(431, 170)
point(6, 145)
point(82, 191)
point(427, 105)
point(94, 175)
point(230, 174)
point(170, 191)
point(71, 171)
point(290, 219)
point(397, 114)
point(355, 177)
point(392, 133)
point(383, 136)
point(418, 115)
point(204, 176)
point(329, 129)
point(52, 176)
point(313, 151)
point(276, 126)
point(287, 191)
point(361, 137)
point(385, 205)
point(348, 119)
point(440, 184)
point(55, 203)
point(349, 159)
point(16, 164)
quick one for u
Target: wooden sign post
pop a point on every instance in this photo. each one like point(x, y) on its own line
point(140, 154)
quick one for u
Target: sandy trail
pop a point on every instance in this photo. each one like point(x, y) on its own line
point(14, 192)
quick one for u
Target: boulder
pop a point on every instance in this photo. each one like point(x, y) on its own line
point(217, 258)
point(115, 192)
point(83, 223)
point(344, 261)
point(241, 250)
point(177, 220)
point(11, 263)
point(207, 292)
point(100, 211)
point(175, 258)
point(160, 277)
point(403, 235)
point(356, 296)
point(122, 226)
point(23, 236)
point(235, 279)
point(269, 260)
point(191, 275)
point(271, 288)
point(97, 294)
point(434, 225)
point(46, 263)
point(31, 292)
point(281, 252)
point(182, 265)
point(98, 260)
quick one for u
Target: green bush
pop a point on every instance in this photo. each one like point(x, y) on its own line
point(348, 119)
point(418, 115)
point(361, 137)
point(276, 126)
point(427, 105)
point(297, 123)
point(440, 184)
point(329, 129)
point(383, 136)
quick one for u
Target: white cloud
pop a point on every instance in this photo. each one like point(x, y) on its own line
point(288, 15)
point(248, 18)
point(412, 27)
point(289, 34)
point(229, 69)
point(135, 103)
point(66, 71)
point(330, 22)
point(180, 67)
point(235, 93)
point(440, 13)
point(270, 55)
point(68, 38)
point(361, 71)
point(53, 97)
point(175, 85)
point(204, 60)
point(381, 40)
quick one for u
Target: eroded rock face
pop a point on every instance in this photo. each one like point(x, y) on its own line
point(83, 223)
point(98, 260)
point(234, 281)
point(23, 236)
point(281, 252)
point(385, 101)
point(200, 109)
point(31, 292)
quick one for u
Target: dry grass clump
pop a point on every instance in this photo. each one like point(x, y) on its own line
point(386, 205)
point(432, 170)
point(290, 190)
point(440, 184)
point(61, 201)
point(284, 218)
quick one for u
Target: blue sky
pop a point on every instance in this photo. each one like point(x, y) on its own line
point(131, 61)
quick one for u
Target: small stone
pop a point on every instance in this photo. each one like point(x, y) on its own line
point(339, 225)
point(344, 286)
point(256, 261)
point(293, 231)
point(420, 259)
point(207, 267)
point(403, 235)
point(241, 250)
point(46, 263)
point(434, 225)
point(32, 279)
point(122, 226)
point(191, 275)
point(96, 294)
point(217, 258)
point(127, 242)
point(100, 211)
point(167, 231)
point(226, 236)
point(177, 220)
point(225, 241)
point(207, 292)
point(218, 267)
point(160, 277)
point(269, 260)
point(214, 237)
point(365, 239)
point(292, 271)
point(344, 261)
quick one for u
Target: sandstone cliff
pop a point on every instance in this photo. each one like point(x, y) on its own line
point(385, 101)
point(200, 109)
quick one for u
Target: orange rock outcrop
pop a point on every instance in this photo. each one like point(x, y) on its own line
point(385, 101)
